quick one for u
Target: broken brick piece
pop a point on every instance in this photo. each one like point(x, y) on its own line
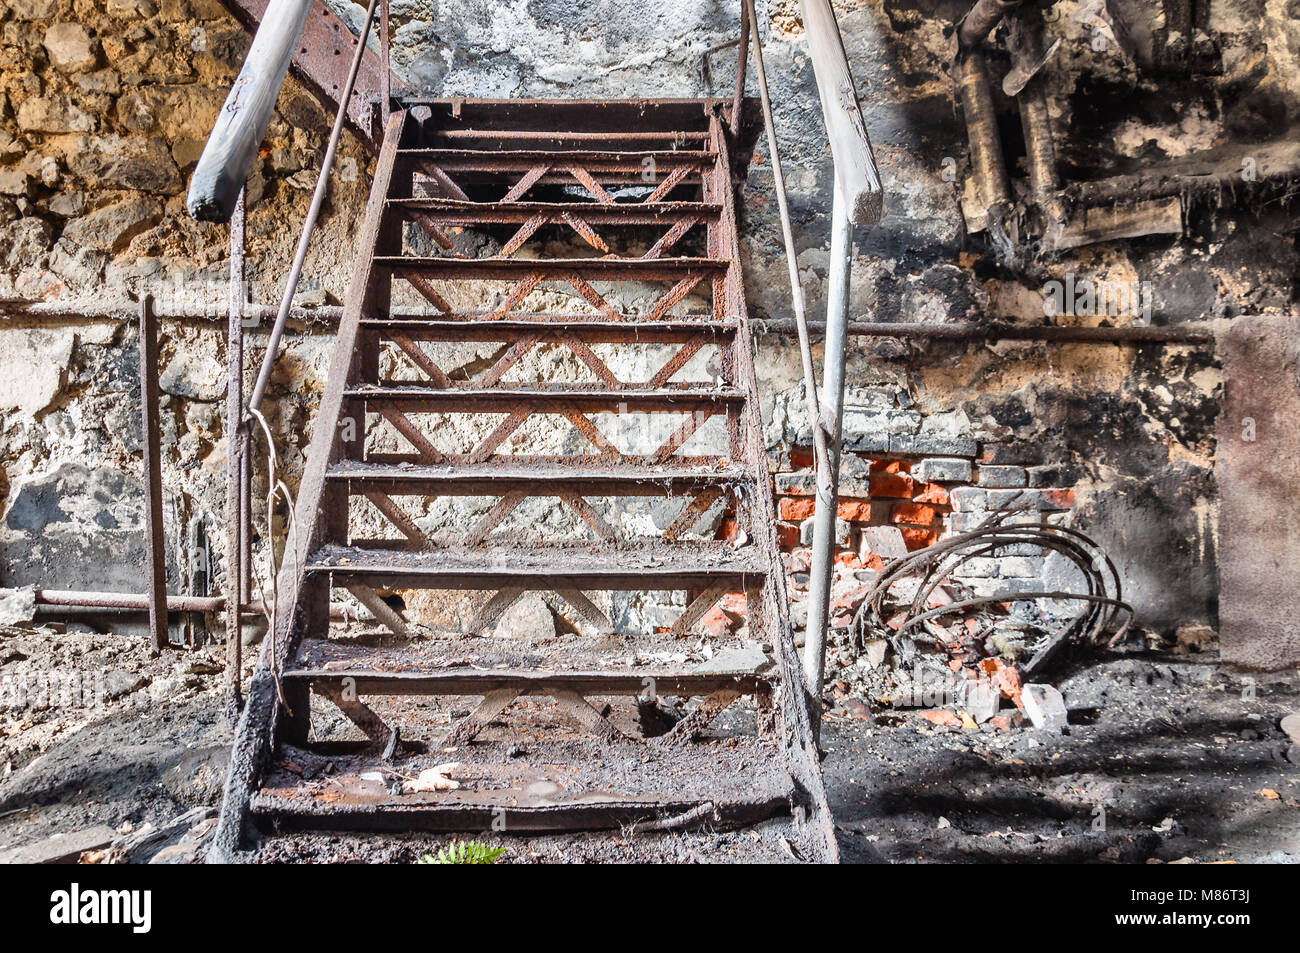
point(919, 538)
point(796, 510)
point(892, 485)
point(932, 493)
point(941, 717)
point(920, 514)
point(855, 511)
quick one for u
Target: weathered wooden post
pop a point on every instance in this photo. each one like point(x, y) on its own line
point(858, 199)
point(241, 125)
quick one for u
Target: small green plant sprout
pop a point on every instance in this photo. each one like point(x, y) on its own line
point(464, 852)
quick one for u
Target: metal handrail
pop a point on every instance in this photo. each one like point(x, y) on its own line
point(313, 211)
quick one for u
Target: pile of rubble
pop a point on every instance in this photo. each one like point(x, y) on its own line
point(921, 639)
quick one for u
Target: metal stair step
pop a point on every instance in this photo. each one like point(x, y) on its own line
point(590, 269)
point(479, 326)
point(544, 568)
point(594, 161)
point(485, 479)
point(541, 399)
point(476, 682)
point(458, 212)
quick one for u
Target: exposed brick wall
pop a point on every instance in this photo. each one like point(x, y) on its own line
point(902, 491)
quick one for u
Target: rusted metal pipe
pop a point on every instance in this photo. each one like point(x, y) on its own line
point(1191, 333)
point(313, 212)
point(155, 552)
point(1025, 42)
point(742, 60)
point(987, 161)
point(235, 448)
point(138, 602)
point(975, 27)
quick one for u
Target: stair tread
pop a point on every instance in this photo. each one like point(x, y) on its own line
point(608, 474)
point(558, 565)
point(466, 681)
point(524, 266)
point(586, 210)
point(552, 785)
point(558, 157)
point(594, 399)
point(474, 323)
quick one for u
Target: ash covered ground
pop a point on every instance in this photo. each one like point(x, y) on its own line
point(1167, 757)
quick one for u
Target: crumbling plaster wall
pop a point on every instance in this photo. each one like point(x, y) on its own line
point(104, 105)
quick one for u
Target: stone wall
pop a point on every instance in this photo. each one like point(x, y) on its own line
point(104, 105)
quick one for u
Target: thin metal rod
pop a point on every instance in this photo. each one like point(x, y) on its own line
point(235, 446)
point(1197, 332)
point(155, 552)
point(742, 59)
point(820, 453)
point(836, 358)
point(139, 602)
point(313, 212)
point(386, 76)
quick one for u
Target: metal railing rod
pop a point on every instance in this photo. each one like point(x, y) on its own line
point(313, 212)
point(797, 300)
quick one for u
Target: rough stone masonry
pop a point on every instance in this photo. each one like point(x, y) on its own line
point(104, 106)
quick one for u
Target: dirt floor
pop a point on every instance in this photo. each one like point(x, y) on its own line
point(1167, 757)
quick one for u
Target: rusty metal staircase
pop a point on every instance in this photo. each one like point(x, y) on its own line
point(576, 392)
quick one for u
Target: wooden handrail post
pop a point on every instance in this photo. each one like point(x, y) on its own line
point(855, 165)
point(241, 125)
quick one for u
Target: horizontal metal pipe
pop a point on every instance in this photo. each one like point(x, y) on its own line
point(1195, 333)
point(137, 602)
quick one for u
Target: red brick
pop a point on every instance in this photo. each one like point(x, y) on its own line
point(787, 536)
point(717, 622)
point(919, 514)
point(1012, 719)
point(801, 459)
point(1063, 499)
point(854, 511)
point(932, 493)
point(874, 562)
point(896, 485)
point(849, 561)
point(1006, 677)
point(796, 509)
point(727, 527)
point(941, 717)
point(919, 538)
point(734, 602)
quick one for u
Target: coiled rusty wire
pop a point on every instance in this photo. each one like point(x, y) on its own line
point(934, 565)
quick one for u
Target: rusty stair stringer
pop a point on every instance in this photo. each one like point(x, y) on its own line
point(259, 723)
